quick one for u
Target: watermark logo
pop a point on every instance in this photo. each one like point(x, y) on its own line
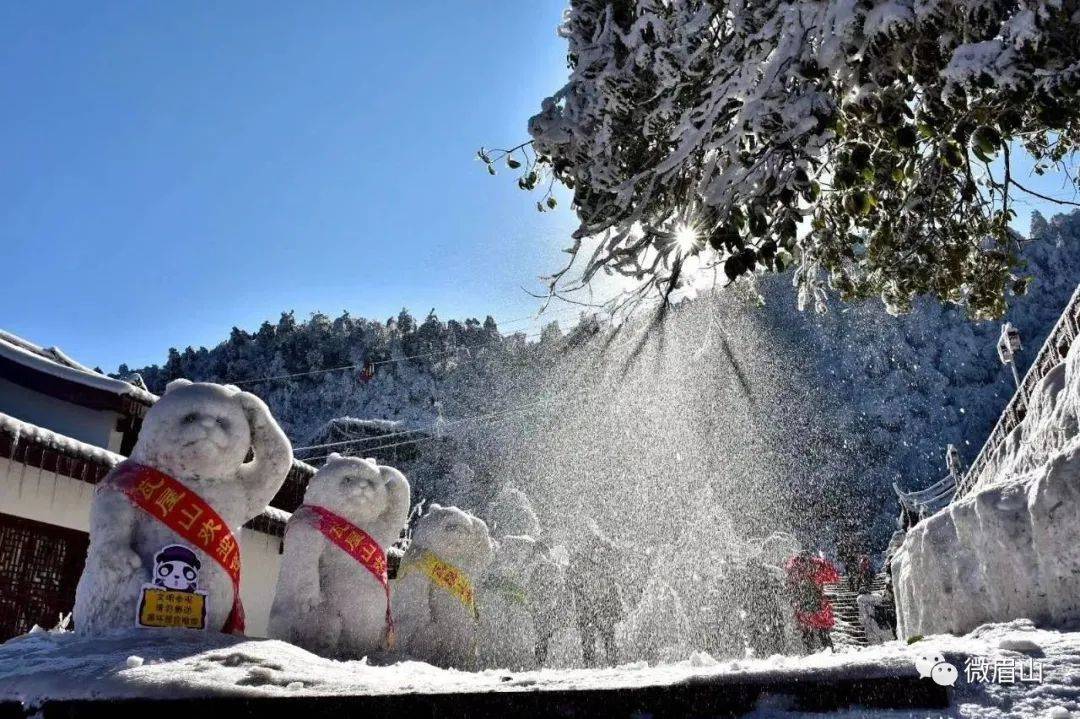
point(1003, 670)
point(932, 665)
point(999, 670)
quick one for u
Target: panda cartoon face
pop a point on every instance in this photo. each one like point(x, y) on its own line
point(177, 567)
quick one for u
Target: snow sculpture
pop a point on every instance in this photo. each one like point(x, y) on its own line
point(434, 600)
point(508, 636)
point(564, 650)
point(331, 593)
point(460, 483)
point(186, 483)
point(525, 604)
point(553, 612)
point(657, 629)
point(594, 575)
point(512, 513)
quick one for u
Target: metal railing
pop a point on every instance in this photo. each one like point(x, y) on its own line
point(922, 503)
point(1051, 354)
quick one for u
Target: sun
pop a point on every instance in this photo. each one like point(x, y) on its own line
point(686, 239)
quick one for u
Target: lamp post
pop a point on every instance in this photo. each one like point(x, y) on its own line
point(1008, 345)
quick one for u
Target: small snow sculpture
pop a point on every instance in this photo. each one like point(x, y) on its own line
point(186, 484)
point(593, 576)
point(508, 633)
point(434, 599)
point(512, 513)
point(332, 596)
point(525, 609)
point(657, 629)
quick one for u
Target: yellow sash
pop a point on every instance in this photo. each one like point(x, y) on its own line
point(447, 576)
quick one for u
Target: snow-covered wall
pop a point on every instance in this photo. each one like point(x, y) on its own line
point(1011, 548)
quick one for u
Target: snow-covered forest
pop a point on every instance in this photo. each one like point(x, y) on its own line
point(842, 404)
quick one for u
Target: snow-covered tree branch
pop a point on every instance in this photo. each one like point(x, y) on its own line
point(860, 140)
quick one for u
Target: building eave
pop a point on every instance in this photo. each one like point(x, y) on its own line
point(52, 373)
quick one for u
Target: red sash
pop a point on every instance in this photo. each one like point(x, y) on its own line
point(359, 545)
point(187, 514)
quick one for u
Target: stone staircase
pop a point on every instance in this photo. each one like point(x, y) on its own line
point(848, 630)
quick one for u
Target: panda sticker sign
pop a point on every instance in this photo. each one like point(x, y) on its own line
point(173, 599)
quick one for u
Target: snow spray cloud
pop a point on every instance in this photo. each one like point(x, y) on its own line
point(685, 444)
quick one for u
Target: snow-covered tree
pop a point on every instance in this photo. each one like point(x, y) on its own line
point(855, 139)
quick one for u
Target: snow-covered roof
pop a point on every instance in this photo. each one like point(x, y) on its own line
point(345, 428)
point(35, 446)
point(53, 362)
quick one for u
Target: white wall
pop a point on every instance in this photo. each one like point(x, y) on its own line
point(93, 426)
point(33, 493)
point(262, 561)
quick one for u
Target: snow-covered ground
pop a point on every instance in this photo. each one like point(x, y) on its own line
point(177, 663)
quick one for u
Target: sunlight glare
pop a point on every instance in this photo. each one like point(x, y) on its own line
point(686, 239)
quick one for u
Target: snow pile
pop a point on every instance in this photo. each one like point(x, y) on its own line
point(1011, 548)
point(179, 663)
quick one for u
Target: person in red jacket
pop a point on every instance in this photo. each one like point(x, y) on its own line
point(806, 577)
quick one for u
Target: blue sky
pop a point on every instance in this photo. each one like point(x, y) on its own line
point(170, 170)
point(173, 169)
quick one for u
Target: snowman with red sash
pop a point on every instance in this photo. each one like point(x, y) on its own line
point(333, 597)
point(178, 503)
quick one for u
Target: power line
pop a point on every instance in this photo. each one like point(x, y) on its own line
point(491, 423)
point(495, 418)
point(512, 410)
point(290, 376)
point(345, 367)
point(359, 439)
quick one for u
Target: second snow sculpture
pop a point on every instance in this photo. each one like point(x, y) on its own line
point(178, 503)
point(434, 596)
point(332, 594)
